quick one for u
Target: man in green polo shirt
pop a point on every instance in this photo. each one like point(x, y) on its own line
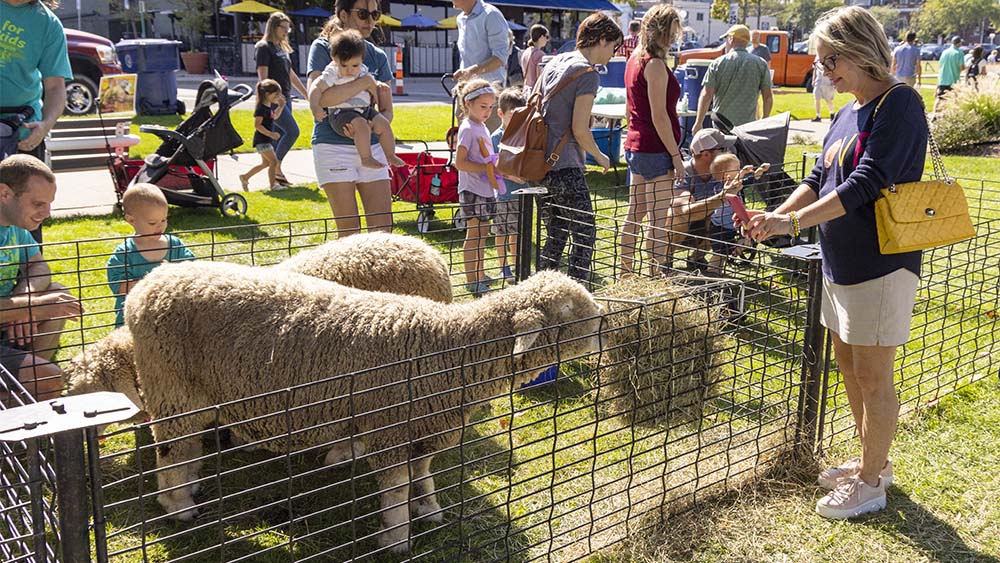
point(951, 65)
point(734, 81)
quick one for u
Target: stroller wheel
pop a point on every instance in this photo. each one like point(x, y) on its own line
point(233, 205)
point(424, 219)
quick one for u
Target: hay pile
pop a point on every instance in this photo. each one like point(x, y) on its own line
point(661, 357)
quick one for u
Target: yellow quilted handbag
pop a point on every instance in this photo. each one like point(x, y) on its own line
point(920, 215)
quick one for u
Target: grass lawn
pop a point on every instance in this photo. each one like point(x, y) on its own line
point(424, 123)
point(802, 104)
point(941, 509)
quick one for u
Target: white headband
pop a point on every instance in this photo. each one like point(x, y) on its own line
point(476, 93)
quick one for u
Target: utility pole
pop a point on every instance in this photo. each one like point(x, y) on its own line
point(758, 15)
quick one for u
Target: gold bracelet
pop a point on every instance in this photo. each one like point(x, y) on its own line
point(795, 223)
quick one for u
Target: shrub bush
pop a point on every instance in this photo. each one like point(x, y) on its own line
point(970, 116)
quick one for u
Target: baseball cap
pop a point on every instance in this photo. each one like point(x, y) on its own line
point(956, 40)
point(708, 139)
point(738, 32)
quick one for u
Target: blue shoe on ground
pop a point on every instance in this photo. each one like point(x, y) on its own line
point(506, 273)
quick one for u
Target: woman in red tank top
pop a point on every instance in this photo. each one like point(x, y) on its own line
point(651, 145)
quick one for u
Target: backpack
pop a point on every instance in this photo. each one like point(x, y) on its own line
point(514, 73)
point(522, 148)
point(973, 70)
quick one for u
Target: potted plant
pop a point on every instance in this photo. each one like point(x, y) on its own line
point(193, 17)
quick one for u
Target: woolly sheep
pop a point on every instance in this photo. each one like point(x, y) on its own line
point(292, 330)
point(371, 261)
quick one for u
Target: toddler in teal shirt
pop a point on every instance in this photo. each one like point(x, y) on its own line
point(146, 210)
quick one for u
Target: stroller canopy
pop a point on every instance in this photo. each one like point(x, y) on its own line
point(763, 140)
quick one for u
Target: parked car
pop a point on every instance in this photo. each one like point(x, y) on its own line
point(931, 52)
point(91, 57)
point(691, 45)
point(789, 67)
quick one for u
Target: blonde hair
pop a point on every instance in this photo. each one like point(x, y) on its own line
point(853, 33)
point(142, 194)
point(464, 88)
point(657, 25)
point(724, 163)
point(271, 32)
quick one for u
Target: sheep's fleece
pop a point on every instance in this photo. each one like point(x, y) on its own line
point(293, 331)
point(372, 261)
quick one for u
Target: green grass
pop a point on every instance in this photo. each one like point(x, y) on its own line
point(941, 509)
point(411, 122)
point(802, 104)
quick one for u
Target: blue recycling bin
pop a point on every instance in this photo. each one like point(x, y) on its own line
point(609, 140)
point(155, 62)
point(694, 74)
point(615, 75)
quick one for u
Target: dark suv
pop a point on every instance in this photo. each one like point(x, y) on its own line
point(91, 57)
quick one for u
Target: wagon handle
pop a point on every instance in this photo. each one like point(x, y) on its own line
point(445, 77)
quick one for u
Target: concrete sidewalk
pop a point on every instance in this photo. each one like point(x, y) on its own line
point(92, 192)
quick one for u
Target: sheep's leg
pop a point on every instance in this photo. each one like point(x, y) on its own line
point(395, 516)
point(424, 501)
point(344, 452)
point(177, 496)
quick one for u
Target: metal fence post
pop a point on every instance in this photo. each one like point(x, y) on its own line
point(63, 419)
point(813, 348)
point(525, 222)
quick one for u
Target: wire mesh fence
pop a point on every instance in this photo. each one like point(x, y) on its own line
point(442, 439)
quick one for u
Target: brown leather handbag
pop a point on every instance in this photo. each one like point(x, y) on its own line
point(522, 148)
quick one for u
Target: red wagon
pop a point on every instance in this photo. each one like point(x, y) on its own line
point(426, 180)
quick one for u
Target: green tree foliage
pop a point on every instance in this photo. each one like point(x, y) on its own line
point(801, 15)
point(888, 17)
point(720, 10)
point(193, 18)
point(965, 17)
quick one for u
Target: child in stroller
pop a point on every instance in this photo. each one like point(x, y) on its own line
point(347, 49)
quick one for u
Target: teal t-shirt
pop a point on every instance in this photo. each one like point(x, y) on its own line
point(128, 264)
point(32, 48)
point(950, 66)
point(12, 258)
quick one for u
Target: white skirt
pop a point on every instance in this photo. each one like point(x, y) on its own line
point(872, 313)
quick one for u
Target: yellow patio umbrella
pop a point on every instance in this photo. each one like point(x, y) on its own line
point(389, 21)
point(449, 23)
point(250, 7)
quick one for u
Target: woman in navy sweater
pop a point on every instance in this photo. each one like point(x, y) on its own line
point(868, 297)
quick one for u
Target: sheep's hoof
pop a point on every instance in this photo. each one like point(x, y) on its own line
point(184, 509)
point(399, 546)
point(430, 511)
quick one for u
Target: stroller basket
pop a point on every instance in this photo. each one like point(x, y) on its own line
point(425, 179)
point(178, 177)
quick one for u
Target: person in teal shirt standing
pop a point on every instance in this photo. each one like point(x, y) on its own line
point(951, 64)
point(146, 210)
point(33, 60)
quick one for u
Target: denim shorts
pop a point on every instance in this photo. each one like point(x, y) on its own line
point(649, 164)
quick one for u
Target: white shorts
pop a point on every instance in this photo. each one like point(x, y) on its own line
point(872, 313)
point(341, 163)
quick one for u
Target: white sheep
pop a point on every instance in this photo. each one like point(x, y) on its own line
point(405, 360)
point(372, 261)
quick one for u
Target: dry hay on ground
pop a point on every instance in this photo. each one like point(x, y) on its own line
point(661, 358)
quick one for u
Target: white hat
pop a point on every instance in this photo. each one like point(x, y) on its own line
point(708, 139)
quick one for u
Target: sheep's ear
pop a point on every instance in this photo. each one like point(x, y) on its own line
point(527, 324)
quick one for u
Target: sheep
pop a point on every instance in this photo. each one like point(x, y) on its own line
point(371, 261)
point(294, 330)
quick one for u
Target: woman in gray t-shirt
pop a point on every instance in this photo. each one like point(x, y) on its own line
point(567, 210)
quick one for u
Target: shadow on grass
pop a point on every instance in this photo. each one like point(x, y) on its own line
point(327, 513)
point(932, 535)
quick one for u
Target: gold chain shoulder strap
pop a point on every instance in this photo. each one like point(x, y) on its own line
point(939, 171)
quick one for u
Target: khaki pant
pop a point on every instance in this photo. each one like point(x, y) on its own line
point(908, 80)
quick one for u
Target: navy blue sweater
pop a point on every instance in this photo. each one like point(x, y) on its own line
point(893, 153)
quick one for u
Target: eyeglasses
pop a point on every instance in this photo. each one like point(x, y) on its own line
point(365, 13)
point(828, 63)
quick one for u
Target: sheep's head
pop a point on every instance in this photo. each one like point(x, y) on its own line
point(555, 318)
point(106, 365)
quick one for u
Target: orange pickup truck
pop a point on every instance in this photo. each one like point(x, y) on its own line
point(791, 67)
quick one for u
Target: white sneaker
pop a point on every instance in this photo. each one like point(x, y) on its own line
point(852, 497)
point(830, 478)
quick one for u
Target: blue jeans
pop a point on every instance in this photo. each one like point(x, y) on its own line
point(289, 132)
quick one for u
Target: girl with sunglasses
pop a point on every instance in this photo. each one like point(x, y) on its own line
point(339, 171)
